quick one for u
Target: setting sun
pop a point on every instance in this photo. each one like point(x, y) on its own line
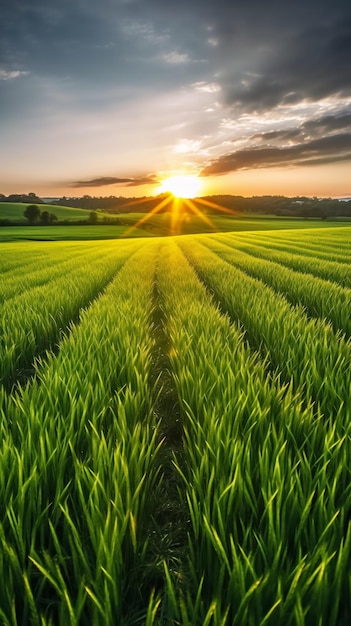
point(181, 186)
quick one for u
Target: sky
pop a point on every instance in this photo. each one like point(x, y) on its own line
point(112, 97)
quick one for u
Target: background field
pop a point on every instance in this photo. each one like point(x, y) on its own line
point(68, 233)
point(176, 430)
point(141, 225)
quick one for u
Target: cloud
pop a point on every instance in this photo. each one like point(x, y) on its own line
point(144, 180)
point(317, 151)
point(271, 76)
point(106, 42)
point(176, 57)
point(280, 135)
point(102, 181)
point(311, 128)
point(328, 123)
point(297, 57)
point(207, 87)
point(266, 54)
point(11, 75)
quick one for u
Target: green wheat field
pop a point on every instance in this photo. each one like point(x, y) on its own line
point(176, 430)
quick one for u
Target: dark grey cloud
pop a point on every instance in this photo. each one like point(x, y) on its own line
point(317, 151)
point(280, 135)
point(280, 53)
point(262, 53)
point(327, 124)
point(104, 41)
point(312, 128)
point(112, 180)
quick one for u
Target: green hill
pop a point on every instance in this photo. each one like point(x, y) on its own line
point(14, 211)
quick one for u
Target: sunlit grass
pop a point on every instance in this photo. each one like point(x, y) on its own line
point(267, 515)
point(261, 372)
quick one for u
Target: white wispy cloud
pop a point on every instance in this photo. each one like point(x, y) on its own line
point(176, 57)
point(207, 87)
point(186, 146)
point(12, 74)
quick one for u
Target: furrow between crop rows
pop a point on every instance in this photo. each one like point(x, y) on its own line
point(321, 298)
point(168, 524)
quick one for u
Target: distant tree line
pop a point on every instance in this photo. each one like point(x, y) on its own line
point(297, 206)
point(110, 204)
point(21, 197)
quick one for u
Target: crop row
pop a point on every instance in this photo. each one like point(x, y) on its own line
point(321, 298)
point(33, 320)
point(328, 249)
point(325, 269)
point(28, 256)
point(187, 393)
point(30, 272)
point(267, 541)
point(78, 466)
point(307, 352)
point(326, 238)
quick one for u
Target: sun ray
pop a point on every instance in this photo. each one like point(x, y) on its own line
point(135, 202)
point(175, 216)
point(192, 206)
point(146, 217)
point(176, 187)
point(219, 207)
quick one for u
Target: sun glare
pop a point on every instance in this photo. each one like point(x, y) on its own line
point(181, 186)
point(182, 203)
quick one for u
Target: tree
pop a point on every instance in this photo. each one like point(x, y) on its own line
point(47, 218)
point(93, 217)
point(44, 217)
point(32, 213)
